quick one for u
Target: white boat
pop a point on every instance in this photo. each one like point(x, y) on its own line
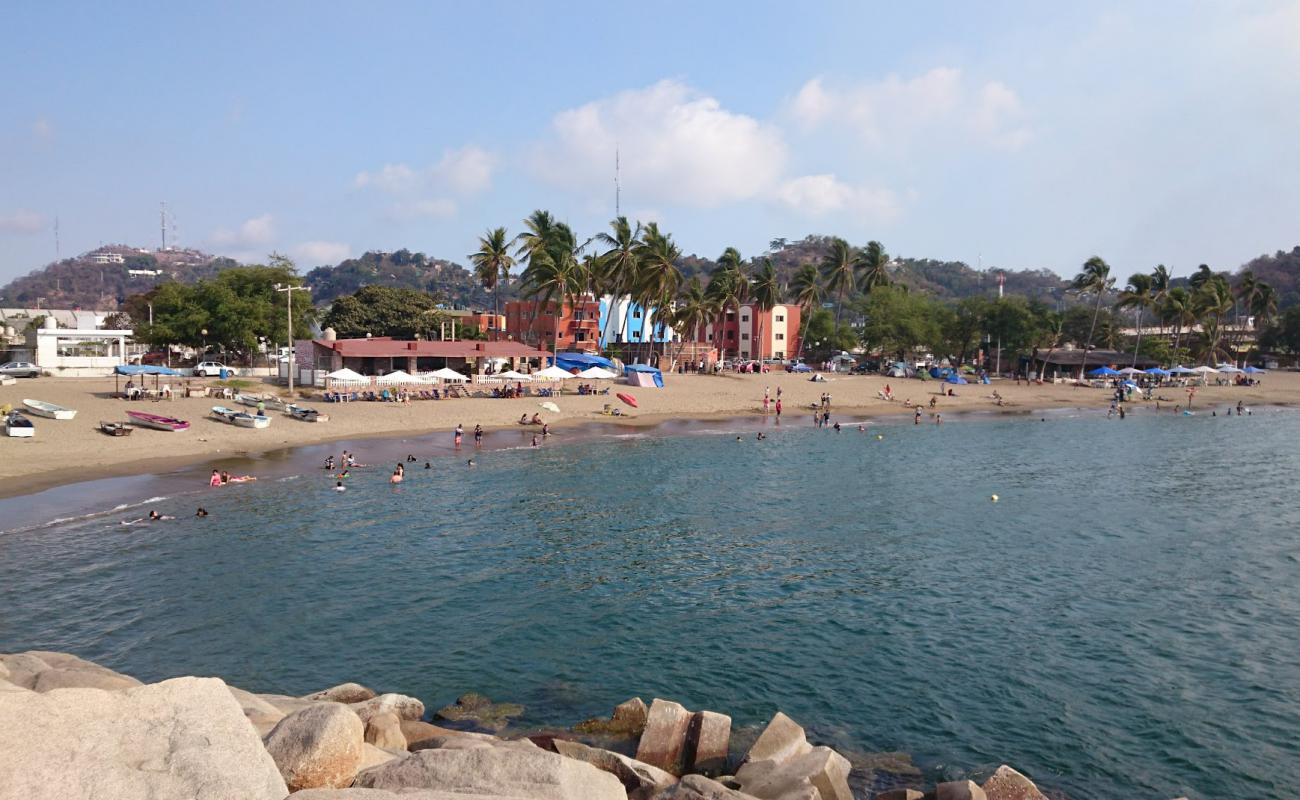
point(305, 414)
point(43, 409)
point(241, 418)
point(270, 402)
point(18, 425)
point(7, 380)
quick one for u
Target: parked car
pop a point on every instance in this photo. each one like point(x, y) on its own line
point(20, 369)
point(207, 369)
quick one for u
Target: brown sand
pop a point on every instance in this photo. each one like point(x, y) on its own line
point(66, 452)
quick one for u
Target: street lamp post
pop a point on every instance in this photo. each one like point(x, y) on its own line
point(288, 291)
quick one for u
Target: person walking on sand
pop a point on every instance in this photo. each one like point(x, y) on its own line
point(459, 435)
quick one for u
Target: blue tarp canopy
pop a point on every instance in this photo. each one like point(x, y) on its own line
point(938, 372)
point(1254, 370)
point(1157, 371)
point(581, 361)
point(1103, 372)
point(955, 378)
point(144, 369)
point(655, 374)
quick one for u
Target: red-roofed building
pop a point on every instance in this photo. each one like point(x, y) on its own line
point(381, 355)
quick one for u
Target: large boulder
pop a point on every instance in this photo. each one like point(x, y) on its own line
point(372, 756)
point(262, 714)
point(383, 794)
point(286, 704)
point(698, 787)
point(401, 705)
point(1007, 784)
point(628, 719)
point(184, 738)
point(343, 693)
point(42, 670)
point(423, 736)
point(478, 710)
point(708, 742)
point(901, 794)
point(781, 765)
point(642, 781)
point(663, 742)
point(317, 747)
point(958, 790)
point(495, 772)
point(385, 730)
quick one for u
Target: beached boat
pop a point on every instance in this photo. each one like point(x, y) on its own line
point(43, 409)
point(116, 428)
point(18, 425)
point(305, 414)
point(270, 402)
point(157, 421)
point(241, 418)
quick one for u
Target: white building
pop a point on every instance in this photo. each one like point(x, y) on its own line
point(107, 258)
point(74, 352)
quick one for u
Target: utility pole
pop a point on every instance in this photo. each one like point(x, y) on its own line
point(288, 291)
point(1002, 281)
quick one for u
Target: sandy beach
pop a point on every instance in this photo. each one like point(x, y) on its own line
point(70, 451)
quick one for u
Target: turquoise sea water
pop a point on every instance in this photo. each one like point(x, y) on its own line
point(1123, 623)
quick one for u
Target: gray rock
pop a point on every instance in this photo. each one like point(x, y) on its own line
point(43, 670)
point(1007, 784)
point(496, 772)
point(317, 747)
point(479, 710)
point(343, 693)
point(372, 756)
point(385, 730)
point(959, 790)
point(707, 740)
point(401, 705)
point(628, 719)
point(782, 738)
point(781, 765)
point(698, 787)
point(642, 781)
point(182, 738)
point(901, 794)
point(423, 736)
point(663, 742)
point(6, 686)
point(384, 794)
point(286, 704)
point(262, 714)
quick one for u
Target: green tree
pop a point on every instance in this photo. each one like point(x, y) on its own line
point(386, 311)
point(1178, 309)
point(618, 267)
point(492, 262)
point(658, 277)
point(807, 292)
point(1095, 278)
point(1013, 324)
point(960, 325)
point(839, 270)
point(1137, 295)
point(694, 308)
point(825, 336)
point(728, 286)
point(554, 273)
point(1283, 334)
point(897, 321)
point(1211, 304)
point(766, 291)
point(872, 266)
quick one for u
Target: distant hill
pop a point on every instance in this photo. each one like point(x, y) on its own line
point(1281, 271)
point(400, 269)
point(101, 279)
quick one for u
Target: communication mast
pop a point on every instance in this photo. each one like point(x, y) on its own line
point(162, 222)
point(618, 189)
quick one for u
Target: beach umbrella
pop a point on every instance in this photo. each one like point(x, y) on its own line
point(1103, 372)
point(347, 376)
point(597, 373)
point(1229, 368)
point(447, 374)
point(553, 373)
point(512, 375)
point(1157, 371)
point(1181, 370)
point(1253, 370)
point(1131, 371)
point(1129, 383)
point(399, 376)
point(1204, 370)
point(627, 398)
point(549, 406)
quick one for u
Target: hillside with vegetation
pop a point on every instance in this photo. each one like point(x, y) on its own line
point(82, 282)
point(450, 282)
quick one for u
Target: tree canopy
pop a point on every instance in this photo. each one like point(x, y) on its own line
point(386, 311)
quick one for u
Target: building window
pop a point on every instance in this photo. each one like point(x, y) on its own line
point(731, 334)
point(780, 317)
point(744, 318)
point(780, 336)
point(744, 337)
point(636, 334)
point(636, 314)
point(779, 354)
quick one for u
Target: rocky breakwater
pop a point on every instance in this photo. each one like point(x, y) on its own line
point(73, 729)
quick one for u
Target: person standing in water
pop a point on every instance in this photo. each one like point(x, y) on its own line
point(478, 435)
point(459, 435)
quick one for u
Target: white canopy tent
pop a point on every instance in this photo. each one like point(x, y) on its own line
point(1131, 371)
point(447, 375)
point(597, 373)
point(512, 375)
point(347, 376)
point(1205, 370)
point(399, 376)
point(1229, 368)
point(553, 373)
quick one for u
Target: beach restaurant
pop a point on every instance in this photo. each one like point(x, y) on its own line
point(1064, 363)
point(382, 355)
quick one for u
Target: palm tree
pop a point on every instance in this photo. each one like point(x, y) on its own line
point(872, 266)
point(492, 265)
point(553, 268)
point(1201, 276)
point(540, 227)
point(1159, 288)
point(1095, 278)
point(619, 264)
point(1137, 294)
point(807, 288)
point(658, 276)
point(1211, 303)
point(694, 308)
point(1177, 308)
point(1052, 328)
point(1263, 306)
point(766, 290)
point(728, 286)
point(840, 273)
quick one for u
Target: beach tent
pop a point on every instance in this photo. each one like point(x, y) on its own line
point(642, 375)
point(955, 378)
point(347, 376)
point(447, 374)
point(553, 373)
point(1103, 372)
point(512, 375)
point(580, 361)
point(1181, 370)
point(1157, 372)
point(399, 376)
point(1253, 370)
point(597, 373)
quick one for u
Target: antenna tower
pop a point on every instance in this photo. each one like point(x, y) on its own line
point(162, 222)
point(57, 254)
point(618, 189)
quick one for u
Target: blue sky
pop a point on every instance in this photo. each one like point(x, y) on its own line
point(1026, 134)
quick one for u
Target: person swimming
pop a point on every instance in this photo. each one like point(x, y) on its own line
point(329, 463)
point(469, 463)
point(396, 477)
point(427, 465)
point(761, 436)
point(410, 458)
point(339, 487)
point(215, 480)
point(202, 512)
point(536, 441)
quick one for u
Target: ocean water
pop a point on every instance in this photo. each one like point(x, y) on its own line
point(1122, 623)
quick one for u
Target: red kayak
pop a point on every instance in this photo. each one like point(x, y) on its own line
point(627, 398)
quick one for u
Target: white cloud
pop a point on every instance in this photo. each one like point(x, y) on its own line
point(892, 112)
point(252, 233)
point(678, 146)
point(22, 221)
point(431, 192)
point(390, 178)
point(465, 171)
point(318, 252)
point(819, 195)
point(436, 208)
